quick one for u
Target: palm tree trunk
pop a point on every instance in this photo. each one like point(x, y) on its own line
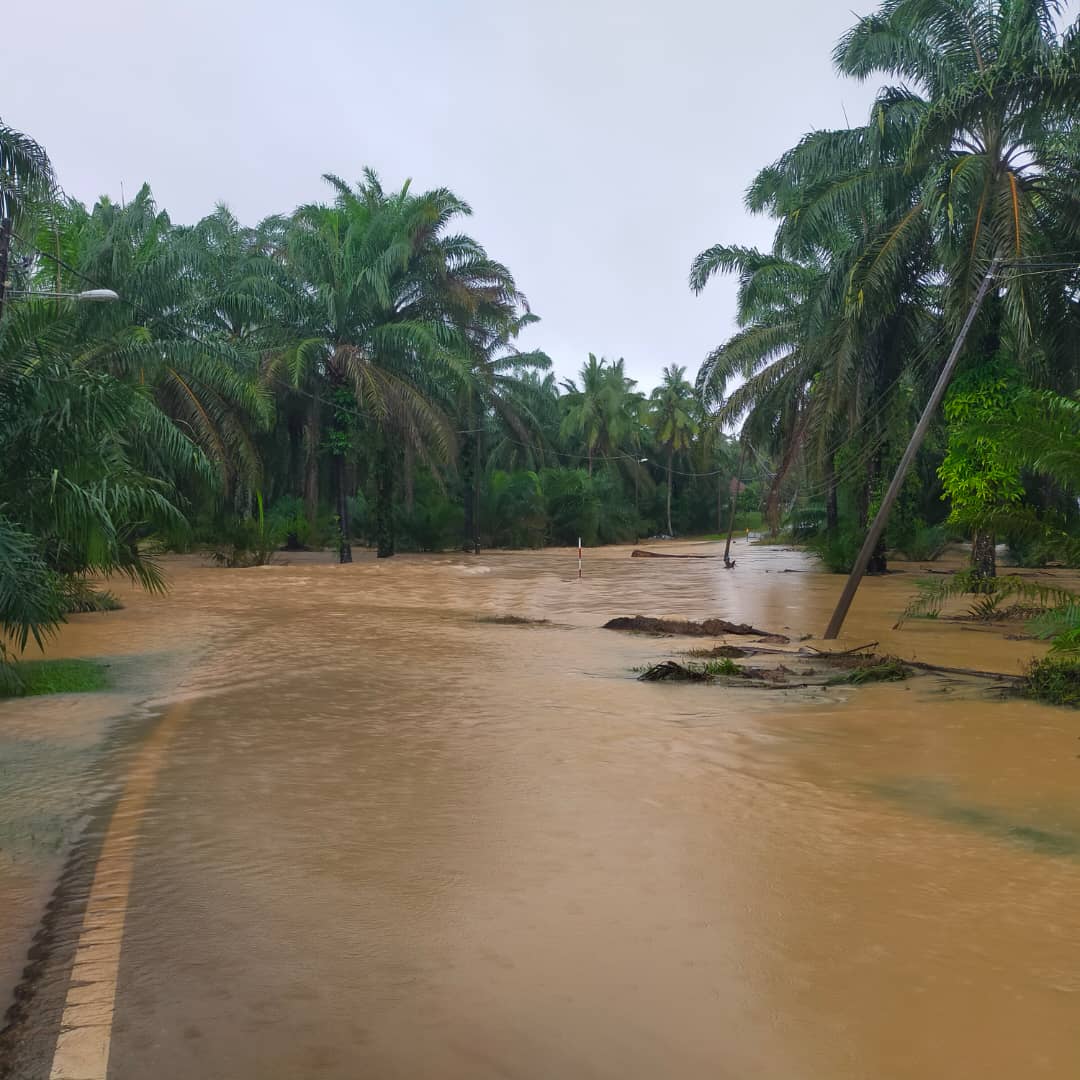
point(879, 563)
point(832, 508)
point(468, 503)
point(477, 475)
point(983, 555)
point(590, 461)
point(384, 501)
point(344, 544)
point(311, 464)
point(409, 479)
point(670, 457)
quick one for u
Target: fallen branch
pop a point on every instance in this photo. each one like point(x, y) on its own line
point(641, 553)
point(923, 666)
point(845, 652)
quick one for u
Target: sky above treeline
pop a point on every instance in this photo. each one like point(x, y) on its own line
point(601, 143)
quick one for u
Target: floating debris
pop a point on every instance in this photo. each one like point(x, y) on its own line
point(646, 624)
point(513, 620)
point(641, 553)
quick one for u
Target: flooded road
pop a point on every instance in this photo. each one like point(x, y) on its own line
point(360, 832)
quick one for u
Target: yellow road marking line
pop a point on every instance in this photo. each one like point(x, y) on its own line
point(82, 1048)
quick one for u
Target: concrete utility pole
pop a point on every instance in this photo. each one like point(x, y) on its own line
point(882, 516)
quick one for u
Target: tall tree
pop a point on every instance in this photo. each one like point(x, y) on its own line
point(673, 419)
point(380, 306)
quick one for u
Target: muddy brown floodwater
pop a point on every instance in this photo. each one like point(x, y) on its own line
point(387, 839)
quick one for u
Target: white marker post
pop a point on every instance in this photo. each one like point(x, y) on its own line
point(579, 558)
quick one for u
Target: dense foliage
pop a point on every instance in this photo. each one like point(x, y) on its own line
point(968, 160)
point(346, 372)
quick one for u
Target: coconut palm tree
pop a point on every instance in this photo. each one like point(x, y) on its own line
point(584, 409)
point(604, 415)
point(674, 425)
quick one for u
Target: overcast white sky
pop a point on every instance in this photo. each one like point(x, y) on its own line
point(601, 143)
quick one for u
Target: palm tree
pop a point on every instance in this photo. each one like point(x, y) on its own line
point(673, 421)
point(966, 161)
point(382, 299)
point(92, 465)
point(983, 144)
point(584, 408)
point(777, 355)
point(604, 414)
point(26, 180)
point(158, 336)
point(496, 403)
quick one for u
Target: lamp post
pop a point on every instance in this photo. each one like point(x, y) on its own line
point(93, 296)
point(5, 252)
point(87, 295)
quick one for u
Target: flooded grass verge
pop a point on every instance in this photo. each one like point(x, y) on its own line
point(31, 678)
point(928, 800)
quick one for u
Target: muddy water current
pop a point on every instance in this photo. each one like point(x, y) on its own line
point(389, 839)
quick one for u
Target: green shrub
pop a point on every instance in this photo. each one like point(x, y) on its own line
point(288, 519)
point(924, 543)
point(838, 549)
point(572, 507)
point(249, 541)
point(1054, 681)
point(80, 597)
point(513, 513)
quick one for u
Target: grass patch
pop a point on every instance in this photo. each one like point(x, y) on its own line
point(884, 669)
point(725, 667)
point(1054, 681)
point(34, 677)
point(672, 671)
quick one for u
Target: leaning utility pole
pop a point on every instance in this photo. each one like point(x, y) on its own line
point(882, 516)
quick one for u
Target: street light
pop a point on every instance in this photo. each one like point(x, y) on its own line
point(94, 296)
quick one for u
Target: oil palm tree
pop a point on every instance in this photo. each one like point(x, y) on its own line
point(26, 181)
point(381, 305)
point(91, 466)
point(157, 336)
point(674, 425)
point(496, 405)
point(988, 97)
